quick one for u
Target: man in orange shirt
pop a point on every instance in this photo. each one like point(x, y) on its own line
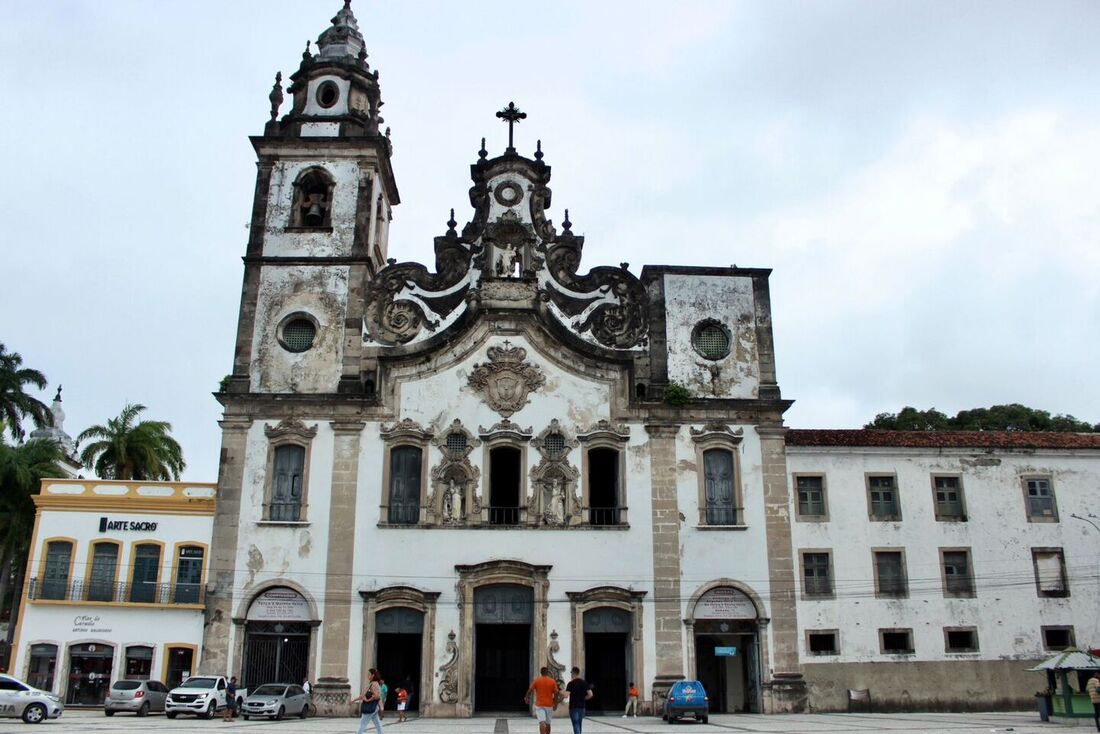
point(546, 698)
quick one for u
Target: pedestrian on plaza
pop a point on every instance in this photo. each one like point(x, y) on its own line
point(631, 701)
point(578, 691)
point(385, 696)
point(370, 705)
point(307, 687)
point(402, 704)
point(407, 684)
point(230, 699)
point(546, 693)
point(1093, 689)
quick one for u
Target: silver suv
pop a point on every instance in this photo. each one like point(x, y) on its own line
point(17, 699)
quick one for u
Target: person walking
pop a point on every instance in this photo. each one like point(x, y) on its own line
point(1093, 689)
point(307, 687)
point(370, 705)
point(402, 704)
point(578, 691)
point(385, 696)
point(545, 689)
point(230, 699)
point(631, 701)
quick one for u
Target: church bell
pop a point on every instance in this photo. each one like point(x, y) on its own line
point(316, 215)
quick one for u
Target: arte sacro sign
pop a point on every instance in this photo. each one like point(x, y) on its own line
point(725, 603)
point(279, 605)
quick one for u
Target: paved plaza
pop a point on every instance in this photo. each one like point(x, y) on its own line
point(1025, 722)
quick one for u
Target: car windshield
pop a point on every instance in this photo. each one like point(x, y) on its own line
point(198, 683)
point(269, 690)
point(126, 685)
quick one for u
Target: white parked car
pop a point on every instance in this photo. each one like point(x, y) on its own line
point(17, 699)
point(200, 695)
point(276, 700)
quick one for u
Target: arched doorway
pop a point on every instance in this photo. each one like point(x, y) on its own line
point(399, 641)
point(726, 638)
point(503, 616)
point(276, 638)
point(90, 667)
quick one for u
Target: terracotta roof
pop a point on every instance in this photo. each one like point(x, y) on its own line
point(943, 439)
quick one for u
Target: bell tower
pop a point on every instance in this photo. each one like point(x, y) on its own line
point(320, 222)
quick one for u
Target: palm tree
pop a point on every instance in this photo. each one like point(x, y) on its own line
point(123, 449)
point(22, 469)
point(15, 403)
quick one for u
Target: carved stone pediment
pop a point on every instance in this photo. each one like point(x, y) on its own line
point(405, 428)
point(455, 441)
point(556, 448)
point(604, 429)
point(506, 380)
point(505, 429)
point(290, 427)
point(717, 432)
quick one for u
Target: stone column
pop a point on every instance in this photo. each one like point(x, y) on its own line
point(215, 658)
point(668, 626)
point(332, 692)
point(785, 691)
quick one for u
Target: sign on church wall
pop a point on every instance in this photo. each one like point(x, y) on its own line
point(279, 605)
point(725, 603)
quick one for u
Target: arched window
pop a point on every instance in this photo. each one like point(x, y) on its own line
point(286, 487)
point(145, 573)
point(312, 200)
point(405, 469)
point(55, 578)
point(104, 571)
point(189, 574)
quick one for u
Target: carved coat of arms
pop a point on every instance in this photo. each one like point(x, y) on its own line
point(507, 379)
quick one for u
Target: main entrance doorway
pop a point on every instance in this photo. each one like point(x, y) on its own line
point(398, 645)
point(503, 614)
point(276, 639)
point(608, 657)
point(727, 649)
point(90, 669)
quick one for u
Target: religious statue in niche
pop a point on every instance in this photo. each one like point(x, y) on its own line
point(507, 260)
point(454, 503)
point(554, 502)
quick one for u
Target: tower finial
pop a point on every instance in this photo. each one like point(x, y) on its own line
point(511, 114)
point(565, 223)
point(538, 150)
point(483, 154)
point(451, 224)
point(276, 96)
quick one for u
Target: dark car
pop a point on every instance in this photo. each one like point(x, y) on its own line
point(684, 698)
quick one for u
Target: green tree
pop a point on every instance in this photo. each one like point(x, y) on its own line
point(129, 449)
point(15, 403)
point(1011, 417)
point(22, 469)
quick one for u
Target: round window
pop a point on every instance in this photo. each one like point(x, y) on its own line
point(328, 94)
point(298, 334)
point(711, 339)
point(508, 193)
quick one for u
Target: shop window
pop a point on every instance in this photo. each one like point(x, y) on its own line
point(139, 662)
point(43, 665)
point(55, 578)
point(180, 665)
point(189, 574)
point(90, 671)
point(145, 573)
point(406, 466)
point(104, 572)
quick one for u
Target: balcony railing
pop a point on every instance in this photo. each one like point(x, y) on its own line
point(284, 511)
point(604, 515)
point(721, 515)
point(504, 515)
point(404, 514)
point(96, 591)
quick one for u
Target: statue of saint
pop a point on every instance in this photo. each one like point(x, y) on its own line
point(555, 504)
point(506, 262)
point(452, 502)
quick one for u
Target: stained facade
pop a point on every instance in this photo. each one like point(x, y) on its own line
point(458, 473)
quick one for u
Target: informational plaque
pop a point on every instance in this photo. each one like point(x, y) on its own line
point(725, 603)
point(279, 605)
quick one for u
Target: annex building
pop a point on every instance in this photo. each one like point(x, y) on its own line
point(458, 472)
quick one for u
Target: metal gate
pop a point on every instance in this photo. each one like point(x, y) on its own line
point(275, 652)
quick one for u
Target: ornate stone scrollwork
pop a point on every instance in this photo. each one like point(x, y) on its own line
point(506, 379)
point(290, 427)
point(557, 670)
point(448, 686)
point(455, 480)
point(554, 499)
point(405, 428)
point(505, 429)
point(717, 431)
point(604, 429)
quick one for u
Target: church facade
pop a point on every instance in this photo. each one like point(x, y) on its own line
point(460, 472)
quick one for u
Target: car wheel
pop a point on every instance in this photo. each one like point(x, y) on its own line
point(279, 714)
point(244, 716)
point(304, 713)
point(170, 714)
point(209, 713)
point(144, 710)
point(34, 714)
point(108, 712)
point(706, 719)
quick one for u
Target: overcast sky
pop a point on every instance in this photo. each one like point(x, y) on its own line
point(923, 177)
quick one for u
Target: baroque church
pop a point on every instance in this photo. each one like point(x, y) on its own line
point(462, 471)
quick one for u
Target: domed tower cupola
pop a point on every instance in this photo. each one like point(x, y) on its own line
point(335, 93)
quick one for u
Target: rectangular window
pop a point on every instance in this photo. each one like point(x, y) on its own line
point(139, 662)
point(958, 577)
point(189, 574)
point(883, 498)
point(1039, 495)
point(1058, 638)
point(55, 581)
point(822, 642)
point(890, 575)
point(603, 488)
point(811, 497)
point(896, 641)
point(718, 470)
point(817, 581)
point(960, 639)
point(1050, 572)
point(42, 667)
point(146, 571)
point(948, 494)
point(286, 488)
point(405, 467)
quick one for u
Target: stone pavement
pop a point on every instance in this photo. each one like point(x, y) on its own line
point(1024, 722)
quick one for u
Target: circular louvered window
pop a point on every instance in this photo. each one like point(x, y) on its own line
point(711, 339)
point(298, 334)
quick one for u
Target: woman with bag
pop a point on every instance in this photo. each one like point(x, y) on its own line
point(370, 704)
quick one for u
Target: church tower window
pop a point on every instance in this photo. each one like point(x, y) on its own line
point(328, 94)
point(711, 339)
point(313, 199)
point(286, 492)
point(297, 333)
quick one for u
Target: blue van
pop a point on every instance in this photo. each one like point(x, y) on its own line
point(687, 697)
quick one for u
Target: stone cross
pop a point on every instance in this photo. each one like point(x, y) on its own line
point(512, 115)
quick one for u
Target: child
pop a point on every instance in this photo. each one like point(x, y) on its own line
point(402, 704)
point(631, 701)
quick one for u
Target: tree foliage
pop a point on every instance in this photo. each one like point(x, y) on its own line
point(15, 403)
point(1012, 417)
point(126, 448)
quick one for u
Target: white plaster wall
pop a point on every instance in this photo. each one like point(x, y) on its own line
point(280, 243)
point(688, 300)
point(321, 292)
point(1007, 610)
